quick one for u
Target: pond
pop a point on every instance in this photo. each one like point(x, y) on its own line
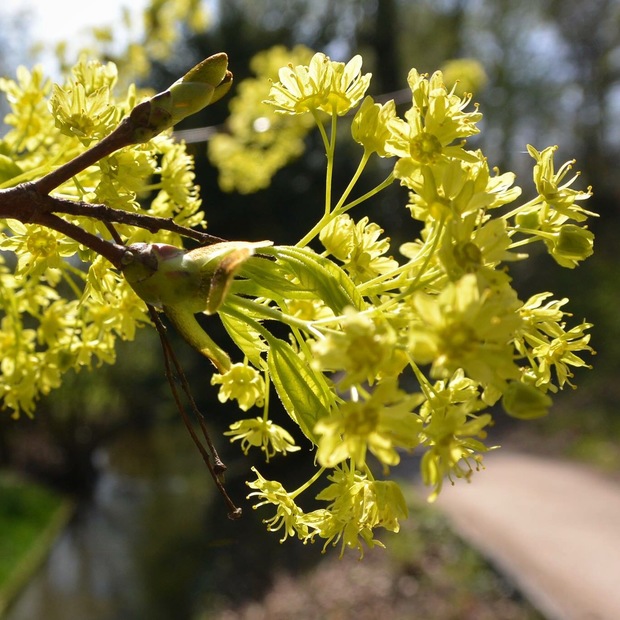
point(154, 541)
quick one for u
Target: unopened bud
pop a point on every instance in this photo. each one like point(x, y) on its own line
point(574, 242)
point(198, 280)
point(525, 401)
point(202, 85)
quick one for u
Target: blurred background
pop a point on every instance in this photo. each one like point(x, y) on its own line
point(148, 537)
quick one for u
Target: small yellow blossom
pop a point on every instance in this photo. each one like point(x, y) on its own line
point(264, 434)
point(85, 116)
point(452, 436)
point(357, 506)
point(435, 121)
point(552, 187)
point(242, 383)
point(570, 244)
point(380, 423)
point(560, 353)
point(370, 127)
point(288, 517)
point(325, 85)
point(465, 327)
point(361, 349)
point(359, 246)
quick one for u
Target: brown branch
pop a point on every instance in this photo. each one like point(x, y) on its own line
point(122, 136)
point(104, 213)
point(25, 204)
point(216, 467)
point(109, 250)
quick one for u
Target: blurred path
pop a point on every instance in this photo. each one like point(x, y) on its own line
point(552, 527)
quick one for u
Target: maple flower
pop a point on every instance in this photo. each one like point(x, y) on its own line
point(83, 108)
point(288, 515)
point(259, 432)
point(242, 383)
point(453, 436)
point(569, 245)
point(357, 505)
point(380, 423)
point(359, 245)
point(554, 189)
point(325, 85)
point(361, 349)
point(370, 127)
point(560, 353)
point(435, 121)
point(466, 327)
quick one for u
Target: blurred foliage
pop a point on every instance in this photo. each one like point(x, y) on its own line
point(24, 510)
point(30, 517)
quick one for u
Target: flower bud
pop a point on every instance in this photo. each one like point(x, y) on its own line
point(370, 126)
point(338, 237)
point(574, 242)
point(528, 219)
point(206, 83)
point(525, 401)
point(198, 280)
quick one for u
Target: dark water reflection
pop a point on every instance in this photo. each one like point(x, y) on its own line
point(153, 542)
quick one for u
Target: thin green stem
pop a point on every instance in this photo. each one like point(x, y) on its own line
point(536, 236)
point(322, 131)
point(354, 180)
point(72, 285)
point(326, 219)
point(267, 311)
point(424, 383)
point(266, 400)
point(307, 484)
point(520, 208)
point(386, 183)
point(371, 284)
point(430, 252)
point(329, 173)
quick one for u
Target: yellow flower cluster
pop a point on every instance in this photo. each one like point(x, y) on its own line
point(446, 322)
point(48, 127)
point(376, 351)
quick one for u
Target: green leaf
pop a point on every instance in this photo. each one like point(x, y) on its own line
point(320, 276)
point(262, 277)
point(302, 391)
point(245, 337)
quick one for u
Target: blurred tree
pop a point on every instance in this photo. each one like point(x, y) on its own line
point(594, 55)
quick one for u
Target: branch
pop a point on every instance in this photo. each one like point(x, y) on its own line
point(217, 467)
point(122, 136)
point(25, 204)
point(107, 214)
point(31, 203)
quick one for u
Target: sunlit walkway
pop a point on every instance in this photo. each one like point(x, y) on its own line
point(553, 527)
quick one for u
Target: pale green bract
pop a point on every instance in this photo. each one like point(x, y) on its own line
point(385, 353)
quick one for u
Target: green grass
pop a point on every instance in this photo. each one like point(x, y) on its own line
point(30, 517)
